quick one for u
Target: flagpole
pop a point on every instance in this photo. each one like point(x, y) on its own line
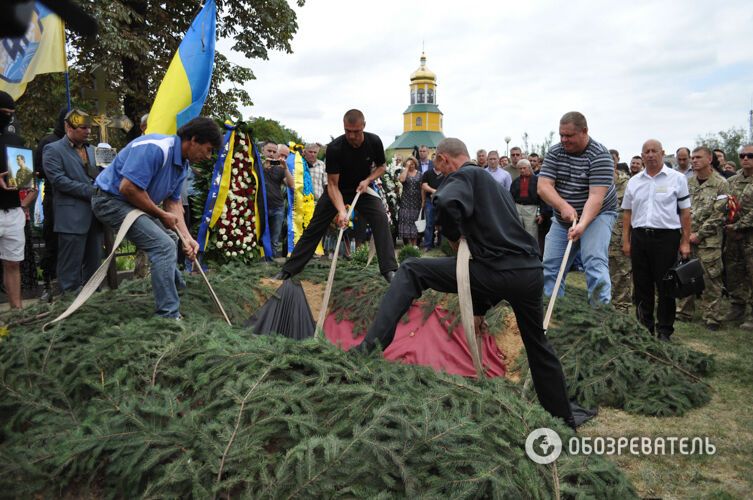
point(67, 79)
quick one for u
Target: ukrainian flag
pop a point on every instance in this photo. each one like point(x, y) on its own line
point(184, 89)
point(40, 50)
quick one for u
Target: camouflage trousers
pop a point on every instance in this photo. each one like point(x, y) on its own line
point(738, 263)
point(711, 300)
point(622, 280)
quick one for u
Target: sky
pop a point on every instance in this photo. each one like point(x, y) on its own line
point(670, 70)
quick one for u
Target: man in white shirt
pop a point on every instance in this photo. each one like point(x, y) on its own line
point(653, 232)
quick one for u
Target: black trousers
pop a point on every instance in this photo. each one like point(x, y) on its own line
point(369, 207)
point(652, 253)
point(522, 288)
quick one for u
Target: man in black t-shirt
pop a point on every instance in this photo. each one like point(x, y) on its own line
point(354, 160)
point(430, 182)
point(276, 175)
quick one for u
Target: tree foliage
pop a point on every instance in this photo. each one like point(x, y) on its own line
point(729, 141)
point(136, 42)
point(266, 129)
point(539, 149)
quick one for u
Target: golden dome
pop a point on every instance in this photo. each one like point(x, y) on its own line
point(423, 73)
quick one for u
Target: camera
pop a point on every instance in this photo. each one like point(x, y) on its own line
point(275, 163)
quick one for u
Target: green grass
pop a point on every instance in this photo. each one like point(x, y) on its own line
point(727, 421)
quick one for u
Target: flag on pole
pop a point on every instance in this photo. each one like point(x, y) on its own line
point(184, 89)
point(40, 50)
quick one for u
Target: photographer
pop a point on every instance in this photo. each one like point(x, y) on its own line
point(276, 175)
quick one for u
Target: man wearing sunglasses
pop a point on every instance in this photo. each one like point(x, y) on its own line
point(70, 167)
point(738, 250)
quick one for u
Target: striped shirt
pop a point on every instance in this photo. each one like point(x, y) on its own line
point(573, 175)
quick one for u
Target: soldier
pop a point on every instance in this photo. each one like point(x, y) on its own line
point(738, 250)
point(708, 194)
point(619, 264)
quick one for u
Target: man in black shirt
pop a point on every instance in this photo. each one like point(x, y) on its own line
point(276, 175)
point(430, 182)
point(505, 266)
point(50, 254)
point(354, 160)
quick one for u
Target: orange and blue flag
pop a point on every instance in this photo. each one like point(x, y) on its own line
point(184, 89)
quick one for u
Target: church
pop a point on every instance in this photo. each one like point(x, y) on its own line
point(422, 120)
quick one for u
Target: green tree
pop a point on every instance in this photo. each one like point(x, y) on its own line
point(539, 149)
point(136, 42)
point(266, 129)
point(728, 141)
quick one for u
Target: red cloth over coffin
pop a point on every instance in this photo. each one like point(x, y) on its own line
point(425, 343)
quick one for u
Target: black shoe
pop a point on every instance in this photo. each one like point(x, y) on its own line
point(712, 327)
point(388, 276)
point(664, 337)
point(282, 275)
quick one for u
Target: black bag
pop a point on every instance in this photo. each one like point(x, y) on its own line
point(684, 279)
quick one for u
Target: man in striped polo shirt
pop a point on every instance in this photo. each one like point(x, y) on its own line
point(577, 180)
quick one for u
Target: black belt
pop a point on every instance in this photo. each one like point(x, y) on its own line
point(651, 230)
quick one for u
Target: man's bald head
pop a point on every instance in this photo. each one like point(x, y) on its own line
point(451, 155)
point(652, 155)
point(453, 148)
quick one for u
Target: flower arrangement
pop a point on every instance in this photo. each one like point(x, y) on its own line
point(233, 238)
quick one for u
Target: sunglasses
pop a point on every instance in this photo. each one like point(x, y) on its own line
point(746, 155)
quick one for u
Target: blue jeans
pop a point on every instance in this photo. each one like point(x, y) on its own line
point(430, 214)
point(149, 235)
point(594, 251)
point(276, 217)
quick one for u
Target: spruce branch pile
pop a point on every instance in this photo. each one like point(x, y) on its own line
point(607, 356)
point(610, 359)
point(117, 403)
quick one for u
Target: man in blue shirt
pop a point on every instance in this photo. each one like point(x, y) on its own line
point(148, 172)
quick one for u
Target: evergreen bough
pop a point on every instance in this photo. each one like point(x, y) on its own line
point(408, 251)
point(116, 403)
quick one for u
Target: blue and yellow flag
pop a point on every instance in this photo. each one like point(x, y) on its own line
point(184, 89)
point(40, 50)
point(219, 187)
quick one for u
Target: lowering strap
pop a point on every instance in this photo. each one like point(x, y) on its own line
point(99, 275)
point(466, 305)
point(333, 266)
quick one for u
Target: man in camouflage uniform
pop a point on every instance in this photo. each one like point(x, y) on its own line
point(619, 264)
point(738, 251)
point(708, 207)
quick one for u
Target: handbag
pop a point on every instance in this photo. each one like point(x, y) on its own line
point(684, 279)
point(421, 222)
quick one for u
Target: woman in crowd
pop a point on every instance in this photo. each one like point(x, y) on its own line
point(410, 201)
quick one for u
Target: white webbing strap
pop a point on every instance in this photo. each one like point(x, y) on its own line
point(99, 275)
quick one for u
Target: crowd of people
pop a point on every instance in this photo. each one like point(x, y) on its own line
point(629, 222)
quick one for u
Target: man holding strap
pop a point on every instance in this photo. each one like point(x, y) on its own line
point(505, 266)
point(148, 172)
point(354, 160)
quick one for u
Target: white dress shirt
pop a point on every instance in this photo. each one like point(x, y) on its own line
point(654, 201)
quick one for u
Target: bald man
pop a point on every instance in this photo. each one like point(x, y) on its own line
point(505, 266)
point(656, 225)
